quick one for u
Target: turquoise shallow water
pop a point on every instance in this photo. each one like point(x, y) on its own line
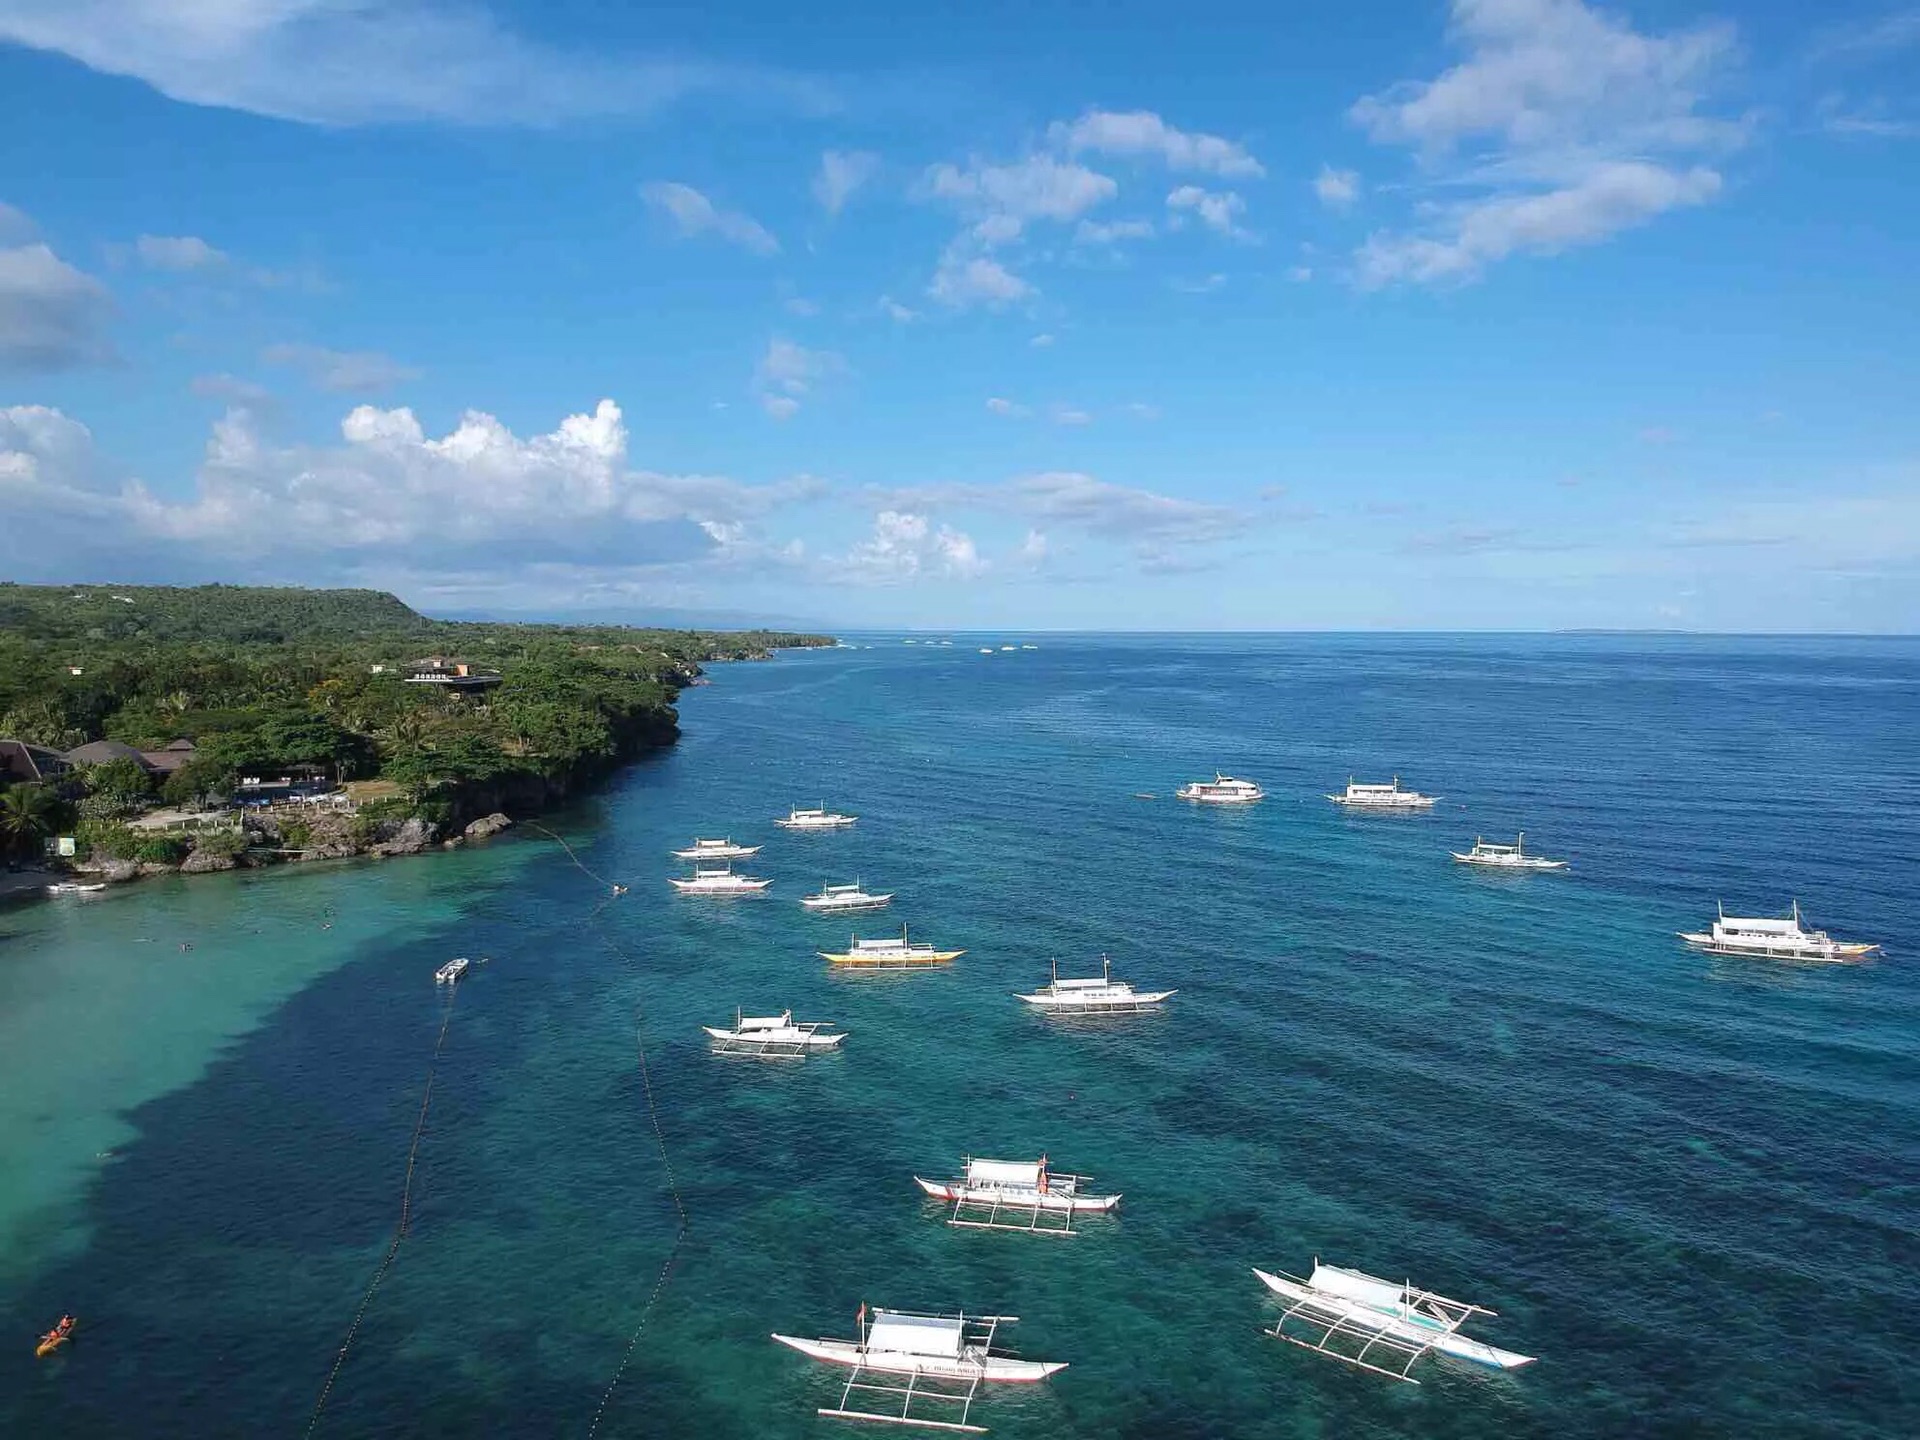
point(1691, 1186)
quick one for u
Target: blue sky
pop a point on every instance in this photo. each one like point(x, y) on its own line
point(1491, 314)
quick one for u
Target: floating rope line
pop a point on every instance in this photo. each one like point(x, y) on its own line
point(679, 1206)
point(601, 879)
point(406, 1218)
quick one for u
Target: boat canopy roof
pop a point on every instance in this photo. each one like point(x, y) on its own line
point(1024, 1173)
point(1353, 1285)
point(1766, 926)
point(1098, 982)
point(766, 1022)
point(915, 1334)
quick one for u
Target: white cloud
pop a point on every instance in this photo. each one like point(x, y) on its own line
point(1041, 341)
point(178, 252)
point(1337, 189)
point(52, 316)
point(1063, 414)
point(343, 371)
point(15, 226)
point(1011, 409)
point(905, 545)
point(231, 388)
point(841, 173)
point(1142, 134)
point(1094, 232)
point(1218, 211)
point(1006, 197)
point(1033, 550)
point(1554, 125)
point(692, 214)
point(896, 312)
point(788, 372)
point(800, 307)
point(343, 62)
point(1141, 411)
point(1205, 285)
point(963, 280)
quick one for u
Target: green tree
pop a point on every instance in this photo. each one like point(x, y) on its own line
point(29, 814)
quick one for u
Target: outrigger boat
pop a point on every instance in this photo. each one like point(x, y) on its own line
point(1104, 996)
point(818, 818)
point(834, 899)
point(451, 972)
point(1222, 790)
point(773, 1035)
point(1017, 1195)
point(1383, 797)
point(946, 1359)
point(718, 880)
point(1771, 939)
point(74, 887)
point(716, 850)
point(1506, 857)
point(890, 953)
point(1392, 1325)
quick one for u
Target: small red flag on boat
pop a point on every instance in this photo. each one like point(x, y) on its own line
point(861, 1319)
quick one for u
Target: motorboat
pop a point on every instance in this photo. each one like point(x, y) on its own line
point(1774, 939)
point(1222, 790)
point(716, 850)
point(836, 899)
point(891, 953)
point(1102, 996)
point(1506, 857)
point(1377, 1325)
point(451, 972)
point(947, 1358)
point(1359, 796)
point(718, 880)
point(75, 887)
point(818, 818)
point(1024, 1195)
point(773, 1035)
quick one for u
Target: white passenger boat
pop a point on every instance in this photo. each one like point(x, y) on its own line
point(1376, 1324)
point(718, 880)
point(1104, 996)
point(450, 972)
point(891, 953)
point(716, 850)
point(74, 887)
point(1222, 790)
point(1021, 1195)
point(837, 899)
point(1383, 797)
point(773, 1035)
point(1771, 939)
point(1506, 857)
point(946, 1359)
point(818, 818)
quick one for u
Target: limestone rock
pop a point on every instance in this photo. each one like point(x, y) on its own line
point(201, 862)
point(410, 837)
point(487, 826)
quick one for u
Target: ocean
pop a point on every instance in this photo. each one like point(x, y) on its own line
point(1690, 1185)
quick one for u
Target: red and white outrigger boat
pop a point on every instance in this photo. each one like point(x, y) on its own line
point(1017, 1195)
point(946, 1359)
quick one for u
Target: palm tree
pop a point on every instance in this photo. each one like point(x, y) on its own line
point(27, 814)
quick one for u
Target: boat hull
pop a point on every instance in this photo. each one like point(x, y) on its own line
point(765, 1041)
point(736, 852)
point(694, 887)
point(1837, 953)
point(889, 962)
point(1424, 803)
point(1075, 1005)
point(1017, 1197)
point(997, 1369)
point(1528, 863)
point(1409, 1330)
point(840, 824)
point(843, 907)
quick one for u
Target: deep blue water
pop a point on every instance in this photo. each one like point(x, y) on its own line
point(1692, 1186)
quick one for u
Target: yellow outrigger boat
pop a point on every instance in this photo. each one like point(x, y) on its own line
point(890, 954)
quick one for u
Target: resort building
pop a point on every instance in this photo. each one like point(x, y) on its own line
point(449, 674)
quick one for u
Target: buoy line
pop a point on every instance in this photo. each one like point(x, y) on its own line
point(600, 879)
point(679, 1206)
point(400, 1230)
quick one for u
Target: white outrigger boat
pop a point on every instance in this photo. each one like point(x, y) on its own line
point(1020, 1195)
point(1104, 996)
point(891, 953)
point(818, 818)
point(1222, 790)
point(946, 1359)
point(1774, 939)
point(451, 972)
point(716, 850)
point(74, 887)
point(836, 899)
point(1392, 1325)
point(718, 880)
point(1359, 796)
point(1506, 857)
point(773, 1035)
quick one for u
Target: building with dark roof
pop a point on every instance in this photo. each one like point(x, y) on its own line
point(24, 762)
point(99, 752)
point(165, 762)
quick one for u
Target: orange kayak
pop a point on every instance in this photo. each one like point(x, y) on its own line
point(50, 1342)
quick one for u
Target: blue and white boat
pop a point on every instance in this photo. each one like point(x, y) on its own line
point(1374, 1324)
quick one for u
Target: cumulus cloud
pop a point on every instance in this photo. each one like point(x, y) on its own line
point(841, 173)
point(1561, 126)
point(906, 545)
point(177, 253)
point(388, 494)
point(962, 280)
point(1001, 406)
point(1041, 341)
point(1095, 232)
point(788, 372)
point(1218, 211)
point(1006, 197)
point(52, 316)
point(341, 371)
point(692, 214)
point(1337, 189)
point(1141, 134)
point(327, 62)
